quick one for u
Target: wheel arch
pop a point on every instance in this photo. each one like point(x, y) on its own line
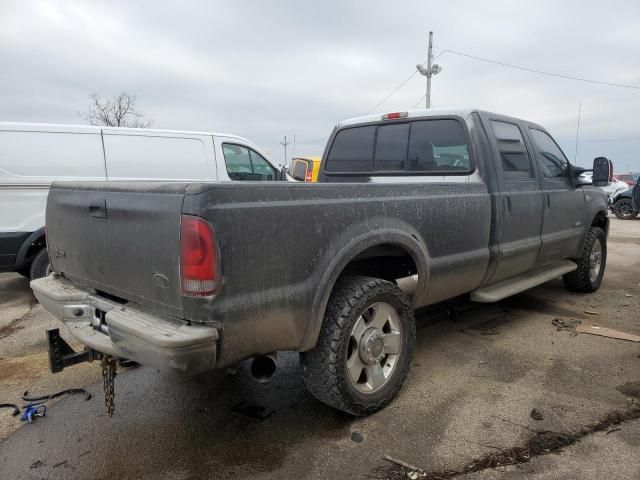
point(363, 251)
point(30, 246)
point(601, 219)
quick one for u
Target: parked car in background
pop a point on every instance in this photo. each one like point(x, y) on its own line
point(626, 204)
point(613, 188)
point(34, 155)
point(456, 201)
point(304, 169)
point(628, 178)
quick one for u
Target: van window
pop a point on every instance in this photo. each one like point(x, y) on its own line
point(513, 152)
point(49, 156)
point(550, 158)
point(421, 147)
point(155, 157)
point(245, 164)
point(299, 170)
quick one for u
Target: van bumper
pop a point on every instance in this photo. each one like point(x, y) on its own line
point(128, 331)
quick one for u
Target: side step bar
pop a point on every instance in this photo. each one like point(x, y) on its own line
point(511, 286)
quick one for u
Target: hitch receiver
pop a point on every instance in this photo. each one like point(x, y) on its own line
point(61, 355)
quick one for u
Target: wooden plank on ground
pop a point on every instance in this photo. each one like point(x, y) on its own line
point(607, 332)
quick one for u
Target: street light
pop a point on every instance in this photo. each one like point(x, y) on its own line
point(429, 72)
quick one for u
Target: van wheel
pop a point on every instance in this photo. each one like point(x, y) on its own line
point(365, 346)
point(591, 265)
point(623, 209)
point(40, 266)
point(25, 271)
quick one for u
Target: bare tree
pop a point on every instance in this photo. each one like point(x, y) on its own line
point(118, 111)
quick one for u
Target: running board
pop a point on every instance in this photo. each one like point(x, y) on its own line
point(511, 286)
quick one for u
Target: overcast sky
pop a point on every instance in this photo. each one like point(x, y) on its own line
point(265, 69)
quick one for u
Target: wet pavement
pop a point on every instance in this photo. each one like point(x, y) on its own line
point(475, 378)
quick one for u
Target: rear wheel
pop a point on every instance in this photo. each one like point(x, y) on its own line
point(365, 346)
point(40, 266)
point(591, 265)
point(623, 209)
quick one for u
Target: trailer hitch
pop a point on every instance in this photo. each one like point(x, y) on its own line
point(61, 355)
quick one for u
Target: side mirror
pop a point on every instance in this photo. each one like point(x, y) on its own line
point(602, 171)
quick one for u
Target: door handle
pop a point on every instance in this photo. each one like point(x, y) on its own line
point(98, 208)
point(506, 206)
point(548, 200)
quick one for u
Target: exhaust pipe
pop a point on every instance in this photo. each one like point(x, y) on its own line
point(264, 367)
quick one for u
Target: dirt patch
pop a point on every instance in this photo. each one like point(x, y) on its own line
point(630, 389)
point(541, 443)
point(24, 368)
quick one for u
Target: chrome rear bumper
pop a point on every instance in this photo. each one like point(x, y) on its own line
point(126, 331)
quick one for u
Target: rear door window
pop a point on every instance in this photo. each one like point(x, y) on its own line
point(513, 152)
point(299, 170)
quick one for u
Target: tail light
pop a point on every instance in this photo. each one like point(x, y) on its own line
point(308, 177)
point(199, 257)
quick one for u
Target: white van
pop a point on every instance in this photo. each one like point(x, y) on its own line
point(34, 155)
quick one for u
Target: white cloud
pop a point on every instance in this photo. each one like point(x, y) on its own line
point(266, 69)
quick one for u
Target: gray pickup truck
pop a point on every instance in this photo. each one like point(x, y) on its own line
point(411, 208)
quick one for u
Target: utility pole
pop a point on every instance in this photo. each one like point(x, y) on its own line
point(575, 156)
point(432, 69)
point(429, 72)
point(284, 144)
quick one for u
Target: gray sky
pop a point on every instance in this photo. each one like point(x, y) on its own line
point(265, 69)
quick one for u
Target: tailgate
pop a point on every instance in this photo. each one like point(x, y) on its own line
point(121, 238)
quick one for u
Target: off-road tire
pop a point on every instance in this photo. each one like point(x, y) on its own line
point(579, 280)
point(618, 209)
point(325, 371)
point(39, 265)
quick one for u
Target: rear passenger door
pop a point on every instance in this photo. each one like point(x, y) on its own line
point(521, 198)
point(564, 203)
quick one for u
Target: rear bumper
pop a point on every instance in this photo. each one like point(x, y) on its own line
point(126, 331)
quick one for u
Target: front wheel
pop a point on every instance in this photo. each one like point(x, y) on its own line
point(365, 346)
point(623, 209)
point(591, 265)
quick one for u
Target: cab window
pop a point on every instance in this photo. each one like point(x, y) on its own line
point(422, 147)
point(513, 152)
point(550, 158)
point(245, 164)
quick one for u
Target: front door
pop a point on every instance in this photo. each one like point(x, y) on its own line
point(521, 199)
point(564, 205)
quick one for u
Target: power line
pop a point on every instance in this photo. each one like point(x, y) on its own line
point(393, 91)
point(541, 72)
point(602, 140)
point(419, 101)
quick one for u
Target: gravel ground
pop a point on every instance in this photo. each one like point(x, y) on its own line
point(474, 381)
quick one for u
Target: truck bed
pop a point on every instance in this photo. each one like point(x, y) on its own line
point(281, 246)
